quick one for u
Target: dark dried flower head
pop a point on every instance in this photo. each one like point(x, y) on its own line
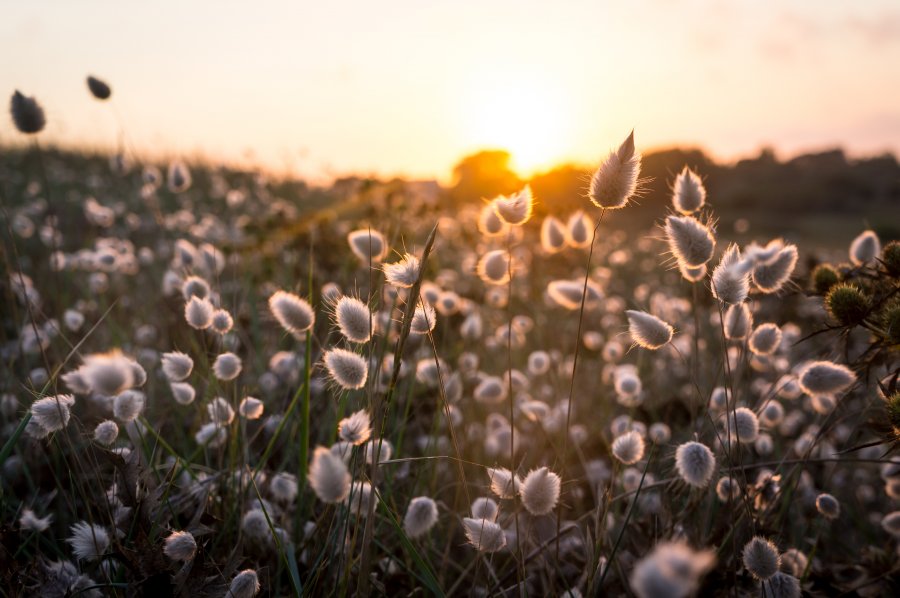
point(99, 89)
point(27, 114)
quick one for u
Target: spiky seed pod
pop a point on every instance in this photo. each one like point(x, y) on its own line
point(354, 319)
point(770, 276)
point(688, 192)
point(177, 366)
point(648, 331)
point(346, 368)
point(578, 230)
point(891, 258)
point(489, 222)
point(892, 405)
point(129, 405)
point(847, 304)
point(227, 366)
point(484, 535)
point(727, 489)
point(745, 424)
point(890, 319)
point(180, 546)
point(423, 320)
point(368, 245)
point(220, 411)
point(503, 483)
point(198, 313)
point(27, 114)
point(515, 209)
point(761, 558)
point(568, 294)
point(628, 448)
point(88, 541)
point(251, 408)
point(485, 508)
point(421, 516)
point(553, 235)
point(106, 432)
point(491, 391)
point(823, 277)
point(99, 89)
point(825, 378)
point(294, 314)
point(794, 562)
point(616, 180)
point(244, 585)
point(695, 463)
point(828, 506)
point(730, 279)
point(672, 570)
point(738, 321)
point(328, 476)
point(52, 414)
point(404, 273)
point(356, 429)
point(222, 321)
point(183, 393)
point(690, 242)
point(766, 339)
point(540, 491)
point(493, 267)
point(865, 248)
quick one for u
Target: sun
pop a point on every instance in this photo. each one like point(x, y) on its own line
point(527, 118)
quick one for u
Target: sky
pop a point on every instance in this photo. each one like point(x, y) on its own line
point(408, 87)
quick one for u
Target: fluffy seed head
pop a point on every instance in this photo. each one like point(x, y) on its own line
point(485, 508)
point(360, 498)
point(794, 562)
point(88, 541)
point(346, 368)
point(421, 515)
point(503, 483)
point(109, 374)
point(690, 242)
point(106, 432)
point(616, 180)
point(568, 294)
point(695, 463)
point(194, 286)
point(493, 267)
point(578, 230)
point(222, 321)
point(180, 546)
point(244, 585)
point(356, 429)
point(489, 223)
point(182, 392)
point(761, 558)
point(129, 405)
point(294, 314)
point(540, 491)
point(727, 489)
point(198, 313)
point(782, 585)
point(368, 245)
point(353, 319)
point(211, 435)
point(672, 570)
point(628, 448)
point(251, 408)
point(647, 330)
point(692, 274)
point(515, 209)
point(765, 339)
point(688, 192)
point(865, 248)
point(491, 390)
point(891, 523)
point(52, 413)
point(828, 506)
point(730, 279)
point(177, 366)
point(179, 177)
point(27, 114)
point(423, 320)
point(283, 487)
point(745, 424)
point(328, 476)
point(403, 273)
point(29, 521)
point(770, 276)
point(220, 411)
point(227, 366)
point(553, 235)
point(484, 535)
point(825, 378)
point(738, 321)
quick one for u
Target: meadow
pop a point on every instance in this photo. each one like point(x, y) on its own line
point(217, 384)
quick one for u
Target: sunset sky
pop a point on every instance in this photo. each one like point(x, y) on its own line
point(409, 86)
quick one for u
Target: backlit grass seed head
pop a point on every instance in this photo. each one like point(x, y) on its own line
point(222, 321)
point(211, 435)
point(220, 411)
point(421, 516)
point(672, 570)
point(628, 448)
point(730, 279)
point(109, 374)
point(423, 320)
point(761, 558)
point(489, 222)
point(688, 192)
point(515, 209)
point(283, 487)
point(180, 546)
point(251, 408)
point(484, 535)
point(781, 585)
point(29, 521)
point(659, 433)
point(648, 331)
point(794, 562)
point(182, 392)
point(179, 177)
point(360, 498)
point(106, 432)
point(825, 378)
point(353, 319)
point(356, 429)
point(328, 476)
point(540, 491)
point(88, 542)
point(616, 180)
point(27, 114)
point(404, 273)
point(293, 313)
point(493, 267)
point(503, 483)
point(891, 523)
point(568, 294)
point(690, 242)
point(738, 321)
point(727, 489)
point(578, 230)
point(692, 274)
point(865, 248)
point(490, 391)
point(128, 405)
point(368, 245)
point(744, 423)
point(485, 508)
point(347, 369)
point(847, 304)
point(254, 525)
point(99, 89)
point(177, 366)
point(198, 313)
point(771, 276)
point(553, 235)
point(194, 286)
point(695, 463)
point(828, 506)
point(538, 363)
point(52, 413)
point(627, 382)
point(227, 366)
point(244, 585)
point(765, 339)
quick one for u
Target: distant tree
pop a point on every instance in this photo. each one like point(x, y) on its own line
point(483, 175)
